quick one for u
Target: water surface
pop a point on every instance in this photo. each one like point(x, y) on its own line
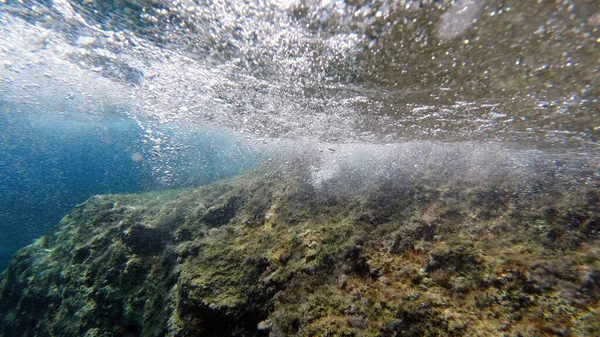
point(118, 97)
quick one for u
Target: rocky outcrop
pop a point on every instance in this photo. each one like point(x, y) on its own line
point(274, 256)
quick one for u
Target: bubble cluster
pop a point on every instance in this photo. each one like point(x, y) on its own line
point(522, 73)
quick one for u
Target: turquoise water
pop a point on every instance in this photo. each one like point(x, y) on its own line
point(50, 164)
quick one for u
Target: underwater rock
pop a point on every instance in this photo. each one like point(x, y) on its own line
point(220, 214)
point(270, 256)
point(145, 240)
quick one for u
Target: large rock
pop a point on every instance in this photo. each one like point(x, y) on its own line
point(275, 257)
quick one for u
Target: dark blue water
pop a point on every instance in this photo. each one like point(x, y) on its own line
point(49, 163)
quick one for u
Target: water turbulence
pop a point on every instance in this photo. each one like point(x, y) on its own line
point(385, 168)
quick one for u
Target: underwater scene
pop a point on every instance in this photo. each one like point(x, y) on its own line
point(347, 168)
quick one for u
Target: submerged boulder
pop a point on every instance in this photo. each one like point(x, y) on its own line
point(258, 256)
point(143, 240)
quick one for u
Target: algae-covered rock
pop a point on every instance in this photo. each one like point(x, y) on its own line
point(271, 255)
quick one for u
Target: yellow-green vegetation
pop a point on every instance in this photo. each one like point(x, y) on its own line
point(271, 255)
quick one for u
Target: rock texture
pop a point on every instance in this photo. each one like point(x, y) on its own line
point(271, 255)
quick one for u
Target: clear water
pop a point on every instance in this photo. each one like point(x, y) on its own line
point(127, 96)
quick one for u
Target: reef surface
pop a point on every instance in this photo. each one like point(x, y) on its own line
point(270, 254)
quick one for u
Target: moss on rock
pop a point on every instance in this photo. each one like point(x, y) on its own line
point(271, 256)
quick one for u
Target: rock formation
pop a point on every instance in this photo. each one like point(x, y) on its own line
point(272, 255)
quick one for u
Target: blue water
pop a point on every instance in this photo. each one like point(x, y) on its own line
point(49, 163)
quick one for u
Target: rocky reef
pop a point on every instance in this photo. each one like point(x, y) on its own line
point(270, 254)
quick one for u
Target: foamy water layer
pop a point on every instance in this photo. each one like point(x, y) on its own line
point(519, 72)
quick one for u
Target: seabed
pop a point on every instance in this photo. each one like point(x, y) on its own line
point(271, 254)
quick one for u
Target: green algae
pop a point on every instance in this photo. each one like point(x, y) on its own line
point(271, 255)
